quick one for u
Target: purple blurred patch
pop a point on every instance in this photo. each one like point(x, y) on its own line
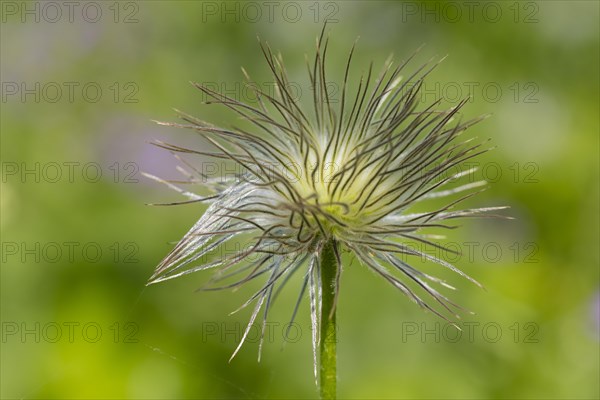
point(595, 315)
point(124, 140)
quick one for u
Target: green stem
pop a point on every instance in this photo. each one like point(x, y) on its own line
point(329, 271)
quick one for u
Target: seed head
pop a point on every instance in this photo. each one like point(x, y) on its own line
point(346, 173)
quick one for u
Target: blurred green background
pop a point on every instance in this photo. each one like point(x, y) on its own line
point(81, 84)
